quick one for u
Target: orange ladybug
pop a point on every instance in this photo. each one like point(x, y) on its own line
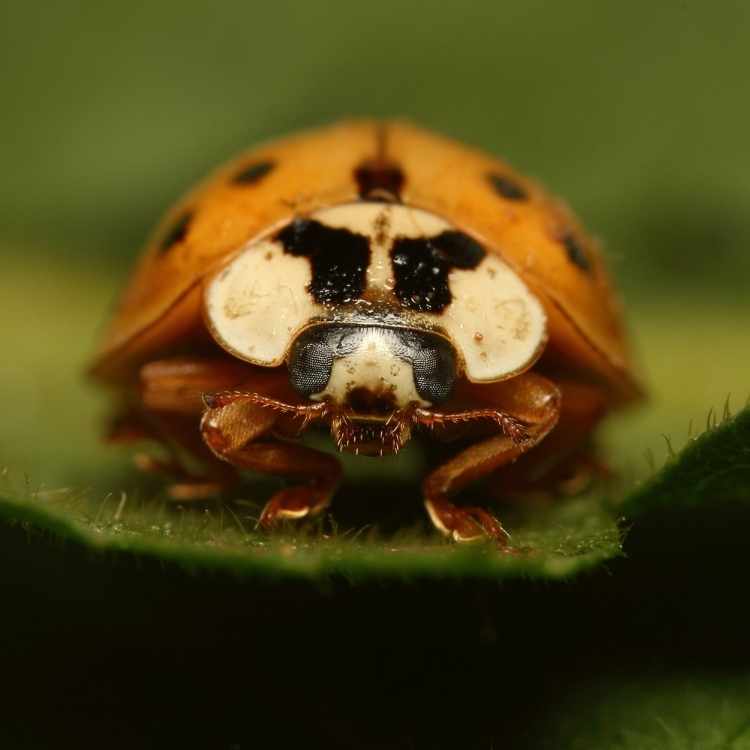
point(380, 281)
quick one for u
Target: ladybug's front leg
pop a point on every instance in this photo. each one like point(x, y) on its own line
point(236, 427)
point(525, 409)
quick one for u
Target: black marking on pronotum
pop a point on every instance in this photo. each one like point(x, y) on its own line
point(253, 173)
point(432, 358)
point(338, 257)
point(578, 256)
point(421, 266)
point(507, 188)
point(378, 180)
point(176, 232)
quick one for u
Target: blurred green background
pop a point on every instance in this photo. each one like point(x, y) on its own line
point(637, 113)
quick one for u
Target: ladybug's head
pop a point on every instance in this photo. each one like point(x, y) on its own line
point(372, 369)
point(369, 373)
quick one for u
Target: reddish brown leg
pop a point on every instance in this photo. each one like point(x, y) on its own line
point(195, 474)
point(171, 403)
point(529, 400)
point(180, 438)
point(245, 404)
point(565, 462)
point(232, 428)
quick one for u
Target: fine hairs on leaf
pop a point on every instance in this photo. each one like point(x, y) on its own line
point(553, 540)
point(711, 467)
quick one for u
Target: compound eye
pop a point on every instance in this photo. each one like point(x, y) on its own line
point(310, 364)
point(434, 370)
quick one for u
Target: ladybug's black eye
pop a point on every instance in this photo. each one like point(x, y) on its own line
point(433, 364)
point(310, 364)
point(312, 354)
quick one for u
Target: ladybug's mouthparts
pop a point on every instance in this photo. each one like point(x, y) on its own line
point(372, 404)
point(371, 436)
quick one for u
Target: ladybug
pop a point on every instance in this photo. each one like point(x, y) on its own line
point(381, 282)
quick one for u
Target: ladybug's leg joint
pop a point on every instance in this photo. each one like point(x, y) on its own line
point(566, 463)
point(238, 431)
point(527, 411)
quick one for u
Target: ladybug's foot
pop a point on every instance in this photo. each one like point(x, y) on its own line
point(195, 490)
point(186, 487)
point(581, 474)
point(237, 432)
point(294, 503)
point(466, 524)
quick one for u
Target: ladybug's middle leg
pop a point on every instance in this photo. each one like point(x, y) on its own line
point(168, 409)
point(566, 462)
point(194, 471)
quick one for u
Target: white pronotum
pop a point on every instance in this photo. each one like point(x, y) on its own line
point(259, 302)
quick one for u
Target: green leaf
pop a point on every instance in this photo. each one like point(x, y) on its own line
point(713, 467)
point(686, 712)
point(556, 543)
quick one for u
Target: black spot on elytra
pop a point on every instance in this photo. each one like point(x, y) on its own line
point(507, 188)
point(376, 181)
point(253, 173)
point(177, 232)
point(338, 257)
point(576, 252)
point(421, 266)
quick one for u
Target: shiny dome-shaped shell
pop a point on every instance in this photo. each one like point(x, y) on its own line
point(534, 234)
